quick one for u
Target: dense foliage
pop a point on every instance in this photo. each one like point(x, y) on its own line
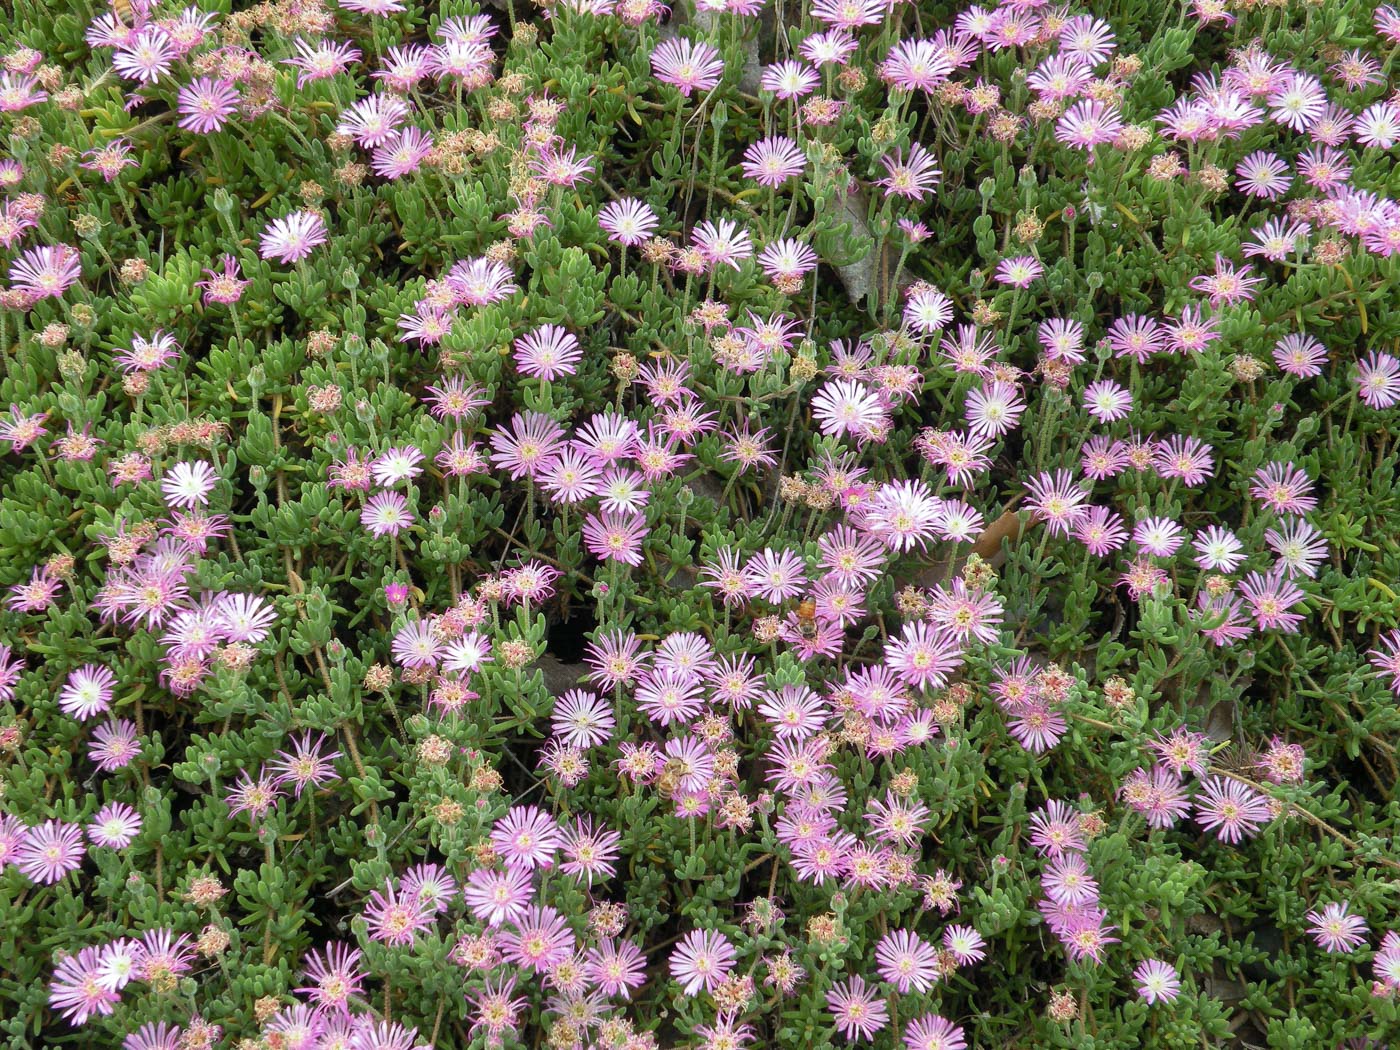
point(754, 523)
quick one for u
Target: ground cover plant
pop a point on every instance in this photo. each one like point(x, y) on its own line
point(745, 524)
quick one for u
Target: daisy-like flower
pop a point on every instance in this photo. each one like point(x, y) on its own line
point(292, 238)
point(205, 104)
point(1299, 546)
point(526, 837)
point(113, 746)
point(396, 918)
point(371, 120)
point(686, 65)
point(1057, 499)
point(916, 65)
point(928, 309)
point(1284, 488)
point(931, 1032)
point(1218, 549)
point(1276, 240)
point(114, 826)
point(108, 160)
point(1337, 930)
point(11, 667)
point(772, 161)
point(907, 961)
point(628, 221)
point(335, 975)
point(1157, 981)
point(149, 355)
point(1019, 272)
point(1159, 536)
point(776, 575)
point(1263, 175)
point(722, 243)
point(857, 1009)
point(1300, 354)
point(1234, 811)
point(146, 56)
point(46, 272)
point(844, 406)
point(965, 613)
point(88, 692)
point(616, 535)
point(912, 175)
point(1227, 286)
point(1107, 401)
point(582, 719)
point(540, 941)
point(548, 353)
point(789, 80)
point(965, 944)
point(1379, 125)
point(401, 153)
point(497, 897)
point(307, 765)
point(1377, 379)
point(19, 91)
point(223, 286)
point(528, 447)
point(386, 514)
point(188, 483)
point(397, 464)
point(702, 960)
point(49, 852)
point(1386, 659)
point(321, 60)
point(77, 991)
point(1088, 123)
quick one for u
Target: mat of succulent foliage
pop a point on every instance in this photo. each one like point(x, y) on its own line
point(745, 524)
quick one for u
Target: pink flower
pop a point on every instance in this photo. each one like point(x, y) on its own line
point(1019, 271)
point(50, 851)
point(772, 161)
point(1088, 123)
point(1377, 379)
point(844, 406)
point(857, 1009)
point(1232, 810)
point(628, 221)
point(88, 692)
point(1335, 930)
point(1057, 499)
point(616, 535)
point(913, 176)
point(722, 243)
point(548, 353)
point(114, 826)
point(292, 238)
point(205, 104)
point(188, 483)
point(702, 960)
point(496, 897)
point(386, 514)
point(931, 1032)
point(46, 272)
point(616, 967)
point(526, 837)
point(76, 991)
point(907, 961)
point(687, 66)
point(1157, 981)
point(396, 920)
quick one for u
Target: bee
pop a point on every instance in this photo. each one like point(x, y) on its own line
point(806, 613)
point(121, 8)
